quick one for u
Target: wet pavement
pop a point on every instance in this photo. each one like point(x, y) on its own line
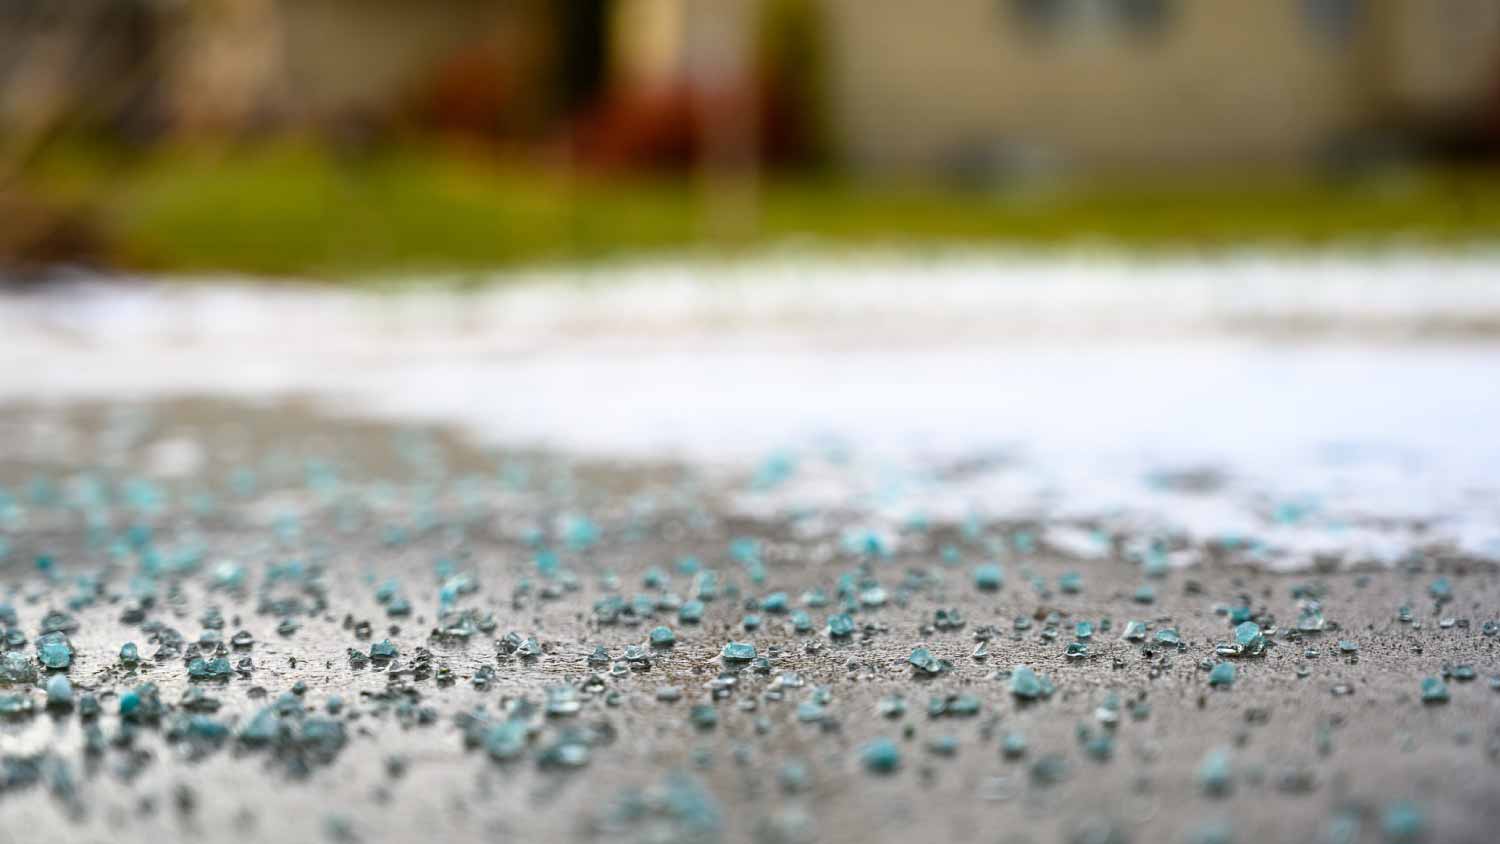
point(320, 536)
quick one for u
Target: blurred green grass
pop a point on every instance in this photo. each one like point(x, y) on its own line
point(299, 210)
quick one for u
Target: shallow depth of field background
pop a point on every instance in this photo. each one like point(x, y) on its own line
point(354, 139)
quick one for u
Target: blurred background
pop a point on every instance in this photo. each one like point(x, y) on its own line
point(343, 139)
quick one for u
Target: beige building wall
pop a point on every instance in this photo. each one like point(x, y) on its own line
point(913, 84)
point(649, 44)
point(662, 44)
point(1445, 54)
point(224, 63)
point(352, 55)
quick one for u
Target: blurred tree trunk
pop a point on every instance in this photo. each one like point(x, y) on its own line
point(225, 66)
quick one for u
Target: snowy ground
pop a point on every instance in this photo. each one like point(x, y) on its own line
point(1296, 408)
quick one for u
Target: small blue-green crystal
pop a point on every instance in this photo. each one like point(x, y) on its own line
point(261, 729)
point(944, 745)
point(1100, 748)
point(54, 650)
point(1403, 822)
point(840, 625)
point(961, 706)
point(59, 692)
point(1310, 617)
point(892, 706)
point(15, 705)
point(1028, 685)
point(662, 637)
point(794, 777)
point(1434, 690)
point(16, 668)
point(881, 756)
point(706, 585)
point(810, 711)
point(738, 652)
point(58, 621)
point(566, 752)
point(209, 669)
point(691, 612)
point(529, 648)
point(1440, 590)
point(562, 700)
point(1214, 773)
point(923, 660)
point(989, 577)
point(205, 730)
point(1222, 675)
point(506, 740)
point(1049, 770)
point(1249, 637)
point(704, 716)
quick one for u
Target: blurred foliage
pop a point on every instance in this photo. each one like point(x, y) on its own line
point(295, 209)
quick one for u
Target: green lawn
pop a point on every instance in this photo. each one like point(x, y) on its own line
point(296, 210)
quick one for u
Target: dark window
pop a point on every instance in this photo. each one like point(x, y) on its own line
point(1335, 20)
point(1131, 16)
point(1041, 15)
point(1143, 16)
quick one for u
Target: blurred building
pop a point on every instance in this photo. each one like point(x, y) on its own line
point(479, 65)
point(991, 86)
point(231, 66)
point(979, 89)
